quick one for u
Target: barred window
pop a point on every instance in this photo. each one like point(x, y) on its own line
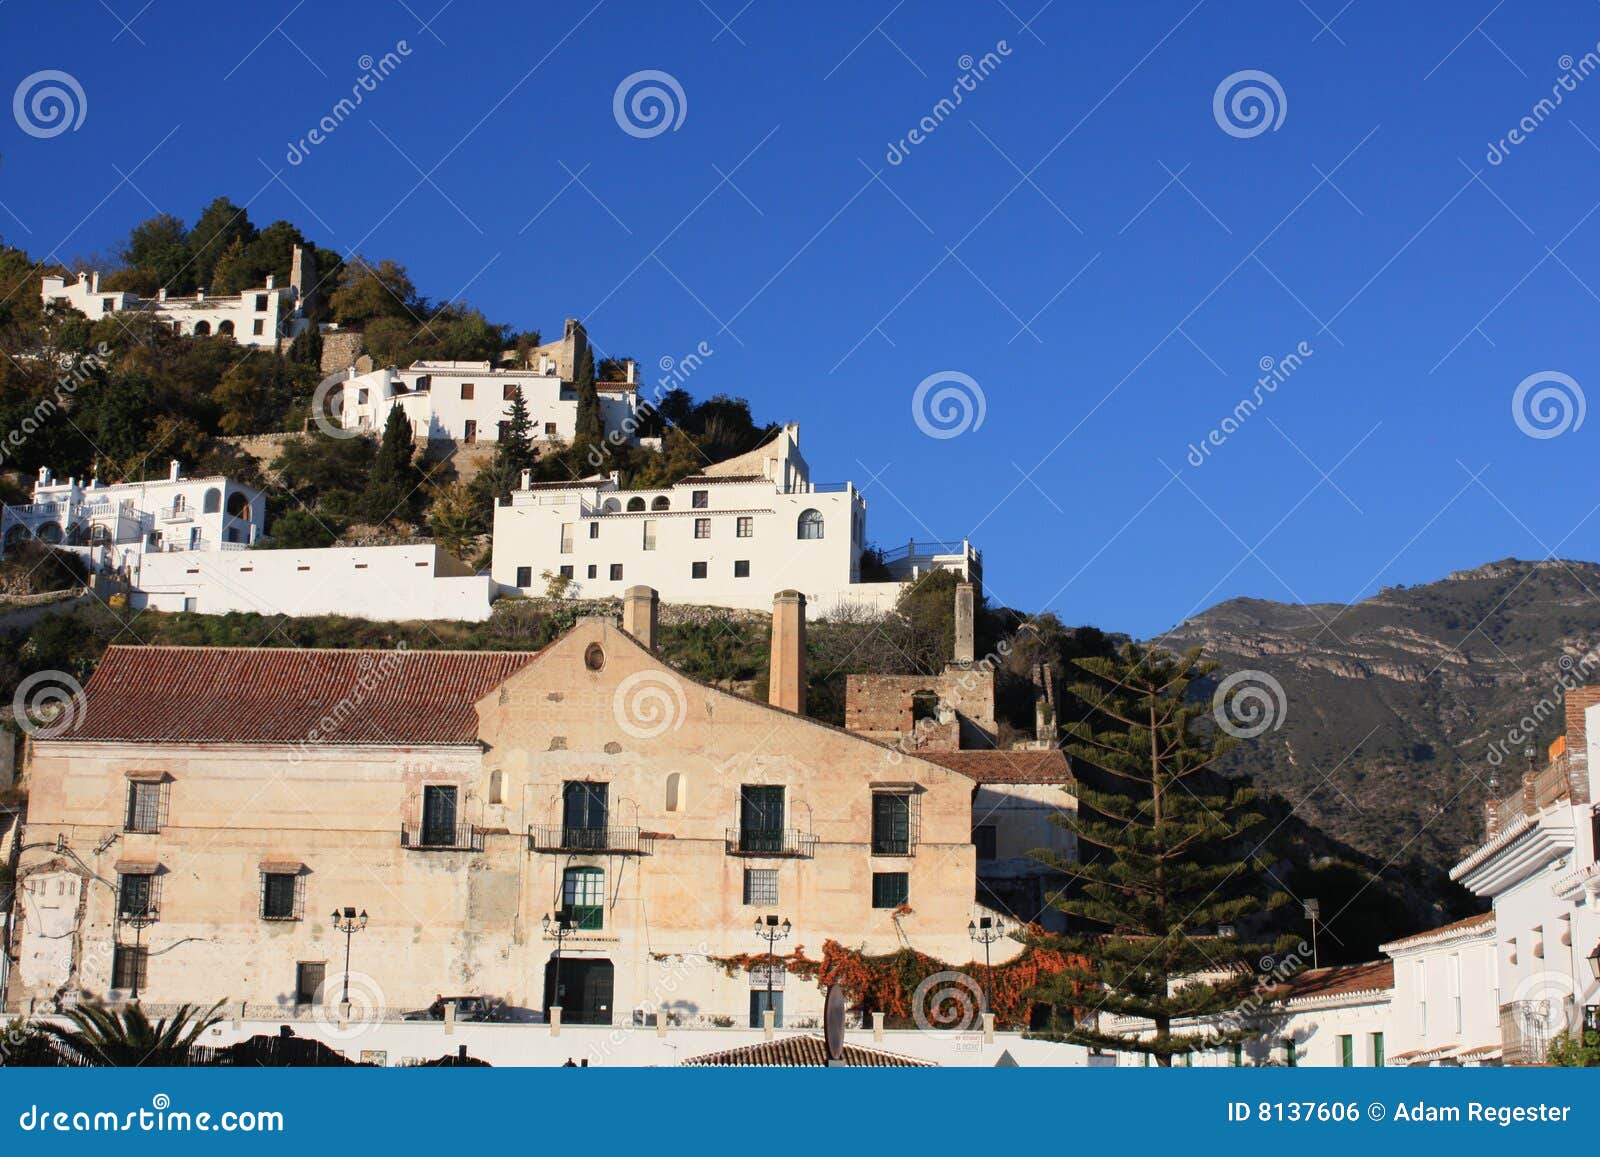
point(136, 895)
point(893, 826)
point(890, 889)
point(128, 966)
point(761, 887)
point(145, 806)
point(282, 896)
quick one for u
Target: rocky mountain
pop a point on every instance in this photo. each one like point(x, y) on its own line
point(1392, 724)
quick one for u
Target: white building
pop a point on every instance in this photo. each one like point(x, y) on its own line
point(385, 583)
point(1446, 1006)
point(725, 537)
point(112, 525)
point(469, 401)
point(1537, 865)
point(257, 317)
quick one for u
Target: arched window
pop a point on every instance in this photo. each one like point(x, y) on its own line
point(661, 502)
point(497, 786)
point(612, 506)
point(180, 504)
point(810, 524)
point(583, 893)
point(675, 800)
point(202, 329)
point(635, 504)
point(225, 329)
point(239, 506)
point(213, 500)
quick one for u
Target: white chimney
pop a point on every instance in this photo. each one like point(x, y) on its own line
point(633, 368)
point(527, 479)
point(161, 294)
point(200, 294)
point(272, 281)
point(94, 282)
point(172, 470)
point(44, 476)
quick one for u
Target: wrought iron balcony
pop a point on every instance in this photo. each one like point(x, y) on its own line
point(562, 838)
point(757, 842)
point(435, 838)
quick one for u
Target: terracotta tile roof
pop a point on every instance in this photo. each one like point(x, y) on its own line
point(287, 695)
point(805, 1052)
point(1345, 980)
point(1443, 932)
point(1004, 766)
point(1437, 1052)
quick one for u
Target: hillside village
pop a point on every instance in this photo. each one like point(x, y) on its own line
point(602, 726)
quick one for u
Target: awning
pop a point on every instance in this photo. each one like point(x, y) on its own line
point(138, 867)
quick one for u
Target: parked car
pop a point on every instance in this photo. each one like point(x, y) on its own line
point(468, 1008)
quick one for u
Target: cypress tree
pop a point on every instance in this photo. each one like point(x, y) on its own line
point(392, 486)
point(1166, 887)
point(590, 428)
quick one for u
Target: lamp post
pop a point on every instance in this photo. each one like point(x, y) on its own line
point(986, 931)
point(558, 926)
point(349, 923)
point(768, 929)
point(1313, 910)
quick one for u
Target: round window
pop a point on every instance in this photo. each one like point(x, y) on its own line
point(595, 657)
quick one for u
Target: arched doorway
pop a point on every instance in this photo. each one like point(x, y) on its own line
point(585, 995)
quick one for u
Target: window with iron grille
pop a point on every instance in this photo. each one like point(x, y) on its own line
point(893, 826)
point(761, 887)
point(702, 528)
point(890, 889)
point(583, 893)
point(146, 808)
point(129, 966)
point(282, 896)
point(136, 895)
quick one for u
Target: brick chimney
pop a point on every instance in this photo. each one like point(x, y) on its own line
point(965, 647)
point(641, 614)
point(1578, 700)
point(786, 682)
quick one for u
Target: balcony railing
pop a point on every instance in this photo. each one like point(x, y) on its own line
point(561, 838)
point(177, 514)
point(433, 838)
point(755, 842)
point(1527, 1028)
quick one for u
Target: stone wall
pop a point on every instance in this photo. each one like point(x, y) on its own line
point(341, 349)
point(881, 706)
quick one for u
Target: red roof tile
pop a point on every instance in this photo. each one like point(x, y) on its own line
point(288, 695)
point(1004, 766)
point(1344, 980)
point(806, 1052)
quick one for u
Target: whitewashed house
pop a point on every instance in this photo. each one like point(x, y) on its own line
point(469, 401)
point(112, 525)
point(257, 317)
point(1537, 865)
point(1446, 1008)
point(726, 537)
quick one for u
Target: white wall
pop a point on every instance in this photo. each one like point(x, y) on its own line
point(1427, 982)
point(388, 583)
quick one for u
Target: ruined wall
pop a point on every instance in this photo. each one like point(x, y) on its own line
point(880, 706)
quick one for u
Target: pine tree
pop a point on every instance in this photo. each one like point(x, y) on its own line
point(516, 442)
point(392, 485)
point(590, 428)
point(1160, 902)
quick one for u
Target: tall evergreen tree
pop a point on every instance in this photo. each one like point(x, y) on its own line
point(1166, 906)
point(516, 441)
point(392, 486)
point(590, 428)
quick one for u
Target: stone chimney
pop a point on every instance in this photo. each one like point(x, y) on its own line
point(965, 647)
point(641, 608)
point(786, 681)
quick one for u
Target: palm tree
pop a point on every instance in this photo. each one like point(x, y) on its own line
point(125, 1038)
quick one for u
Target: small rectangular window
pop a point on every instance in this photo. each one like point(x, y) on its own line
point(280, 896)
point(470, 432)
point(308, 978)
point(259, 328)
point(566, 571)
point(746, 527)
point(697, 570)
point(761, 887)
point(136, 895)
point(702, 528)
point(566, 538)
point(594, 530)
point(508, 392)
point(741, 568)
point(144, 807)
point(699, 499)
point(593, 570)
point(890, 889)
point(261, 303)
point(549, 429)
point(616, 572)
point(361, 397)
point(466, 391)
point(650, 535)
point(524, 576)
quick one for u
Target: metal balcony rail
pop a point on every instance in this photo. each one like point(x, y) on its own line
point(762, 842)
point(437, 838)
point(562, 838)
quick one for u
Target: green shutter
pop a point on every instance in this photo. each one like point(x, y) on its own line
point(1347, 1051)
point(1377, 1050)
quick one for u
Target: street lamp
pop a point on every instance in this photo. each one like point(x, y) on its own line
point(558, 926)
point(1313, 910)
point(986, 931)
point(768, 929)
point(349, 923)
point(1594, 961)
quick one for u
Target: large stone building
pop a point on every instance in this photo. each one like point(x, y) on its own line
point(502, 818)
point(725, 537)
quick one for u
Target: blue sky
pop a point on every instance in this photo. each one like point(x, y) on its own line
point(1081, 237)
